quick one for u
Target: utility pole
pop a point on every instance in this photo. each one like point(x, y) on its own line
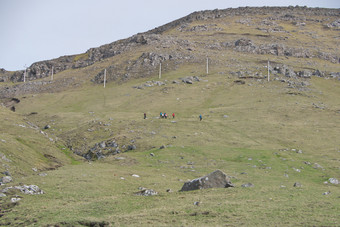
point(207, 66)
point(104, 77)
point(52, 74)
point(160, 71)
point(25, 73)
point(268, 70)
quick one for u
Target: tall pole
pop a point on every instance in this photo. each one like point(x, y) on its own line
point(268, 70)
point(25, 74)
point(52, 74)
point(104, 77)
point(160, 70)
point(207, 66)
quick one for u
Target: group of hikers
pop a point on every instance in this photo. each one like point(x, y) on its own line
point(165, 115)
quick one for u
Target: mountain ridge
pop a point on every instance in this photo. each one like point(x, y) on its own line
point(269, 32)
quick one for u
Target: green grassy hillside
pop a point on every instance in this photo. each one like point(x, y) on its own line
point(271, 134)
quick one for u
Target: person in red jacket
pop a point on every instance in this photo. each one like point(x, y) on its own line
point(173, 115)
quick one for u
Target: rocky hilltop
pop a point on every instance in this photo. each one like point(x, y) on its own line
point(289, 32)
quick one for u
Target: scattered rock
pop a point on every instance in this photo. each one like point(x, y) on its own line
point(297, 170)
point(131, 147)
point(216, 179)
point(333, 181)
point(196, 203)
point(169, 190)
point(6, 179)
point(247, 185)
point(15, 200)
point(317, 166)
point(47, 127)
point(297, 185)
point(26, 189)
point(135, 175)
point(152, 154)
point(239, 82)
point(146, 192)
point(326, 193)
point(162, 147)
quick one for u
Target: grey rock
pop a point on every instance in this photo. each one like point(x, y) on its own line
point(7, 173)
point(2, 195)
point(247, 185)
point(6, 179)
point(162, 147)
point(131, 147)
point(30, 189)
point(146, 192)
point(102, 144)
point(47, 127)
point(333, 181)
point(216, 179)
point(297, 185)
point(326, 193)
point(317, 166)
point(15, 200)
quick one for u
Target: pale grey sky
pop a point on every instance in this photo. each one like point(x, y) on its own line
point(36, 30)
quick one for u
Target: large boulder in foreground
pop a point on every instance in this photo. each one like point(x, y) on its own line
point(216, 179)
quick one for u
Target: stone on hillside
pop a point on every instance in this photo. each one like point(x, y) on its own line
point(317, 166)
point(6, 179)
point(15, 200)
point(216, 179)
point(47, 127)
point(146, 192)
point(333, 181)
point(131, 147)
point(102, 144)
point(247, 185)
point(297, 185)
point(30, 189)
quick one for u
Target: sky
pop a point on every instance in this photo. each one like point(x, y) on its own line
point(37, 30)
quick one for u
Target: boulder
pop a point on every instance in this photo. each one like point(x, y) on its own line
point(6, 179)
point(216, 179)
point(333, 181)
point(146, 192)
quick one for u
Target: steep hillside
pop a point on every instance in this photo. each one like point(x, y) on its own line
point(303, 39)
point(278, 136)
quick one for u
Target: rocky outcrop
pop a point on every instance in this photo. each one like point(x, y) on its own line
point(102, 150)
point(216, 179)
point(156, 37)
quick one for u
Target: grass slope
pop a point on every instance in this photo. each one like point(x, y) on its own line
point(250, 145)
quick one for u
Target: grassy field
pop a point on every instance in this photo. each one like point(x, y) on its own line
point(253, 144)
